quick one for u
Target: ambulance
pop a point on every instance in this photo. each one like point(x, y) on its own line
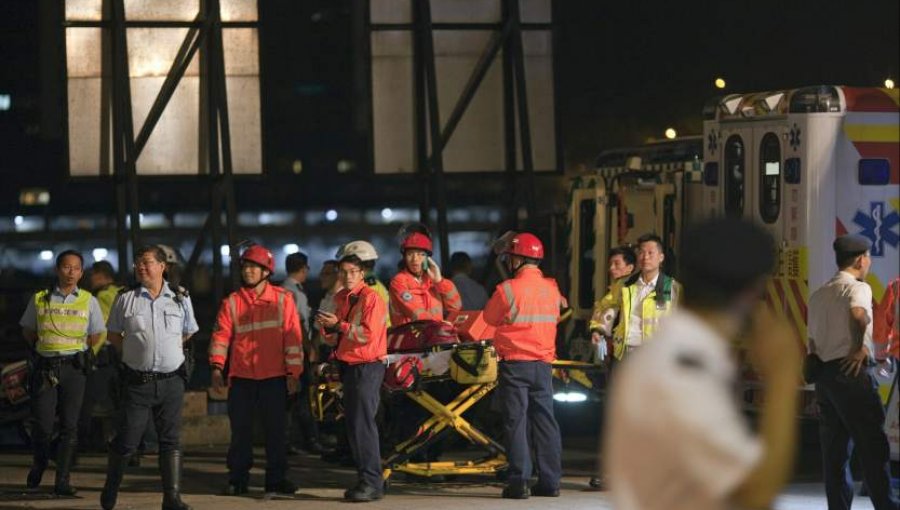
point(806, 164)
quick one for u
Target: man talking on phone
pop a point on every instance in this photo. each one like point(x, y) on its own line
point(419, 291)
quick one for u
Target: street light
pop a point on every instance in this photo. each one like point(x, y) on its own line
point(888, 83)
point(671, 133)
point(720, 83)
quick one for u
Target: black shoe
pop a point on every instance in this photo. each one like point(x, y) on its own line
point(515, 491)
point(597, 483)
point(283, 487)
point(544, 492)
point(363, 492)
point(235, 489)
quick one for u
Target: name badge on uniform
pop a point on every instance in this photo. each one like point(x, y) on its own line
point(406, 296)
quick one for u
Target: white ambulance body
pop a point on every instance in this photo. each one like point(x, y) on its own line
point(808, 165)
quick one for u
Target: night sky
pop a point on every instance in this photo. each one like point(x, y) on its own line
point(627, 70)
point(630, 69)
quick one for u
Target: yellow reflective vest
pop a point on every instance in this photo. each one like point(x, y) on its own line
point(62, 327)
point(105, 297)
point(651, 312)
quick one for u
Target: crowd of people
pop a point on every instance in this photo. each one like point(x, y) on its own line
point(674, 436)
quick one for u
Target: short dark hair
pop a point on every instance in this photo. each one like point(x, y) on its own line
point(846, 259)
point(352, 259)
point(626, 252)
point(460, 262)
point(330, 262)
point(295, 262)
point(158, 253)
point(66, 253)
point(105, 268)
point(723, 258)
point(648, 238)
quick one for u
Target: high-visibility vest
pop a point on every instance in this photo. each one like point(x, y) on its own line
point(382, 292)
point(414, 299)
point(105, 297)
point(651, 311)
point(62, 327)
point(361, 334)
point(263, 340)
point(525, 310)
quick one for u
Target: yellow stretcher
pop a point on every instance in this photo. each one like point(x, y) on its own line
point(444, 419)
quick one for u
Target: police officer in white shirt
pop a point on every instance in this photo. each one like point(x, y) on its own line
point(148, 325)
point(840, 334)
point(676, 437)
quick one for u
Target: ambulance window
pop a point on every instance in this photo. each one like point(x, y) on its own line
point(734, 177)
point(587, 210)
point(792, 171)
point(874, 172)
point(711, 174)
point(770, 178)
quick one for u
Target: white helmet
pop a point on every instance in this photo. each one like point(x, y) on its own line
point(173, 258)
point(362, 249)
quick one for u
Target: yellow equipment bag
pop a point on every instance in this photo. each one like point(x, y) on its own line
point(474, 363)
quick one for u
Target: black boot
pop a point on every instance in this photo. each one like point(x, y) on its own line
point(38, 465)
point(64, 461)
point(170, 467)
point(115, 468)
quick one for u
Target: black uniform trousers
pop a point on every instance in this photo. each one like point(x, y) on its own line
point(362, 394)
point(248, 398)
point(526, 398)
point(851, 416)
point(161, 400)
point(65, 396)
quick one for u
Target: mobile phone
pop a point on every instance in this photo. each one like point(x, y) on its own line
point(425, 263)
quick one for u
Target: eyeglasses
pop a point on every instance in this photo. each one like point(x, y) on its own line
point(146, 262)
point(352, 272)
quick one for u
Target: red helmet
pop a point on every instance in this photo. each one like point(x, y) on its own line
point(259, 255)
point(417, 241)
point(525, 245)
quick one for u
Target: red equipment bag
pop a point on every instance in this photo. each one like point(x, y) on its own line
point(419, 336)
point(403, 374)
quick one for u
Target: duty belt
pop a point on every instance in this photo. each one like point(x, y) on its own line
point(136, 377)
point(47, 362)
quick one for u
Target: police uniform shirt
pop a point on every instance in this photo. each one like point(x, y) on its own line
point(300, 299)
point(676, 437)
point(829, 315)
point(153, 330)
point(635, 332)
point(95, 314)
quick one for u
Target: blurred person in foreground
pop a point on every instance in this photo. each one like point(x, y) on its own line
point(676, 437)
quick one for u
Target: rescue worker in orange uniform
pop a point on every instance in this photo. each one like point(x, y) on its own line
point(886, 327)
point(258, 334)
point(525, 310)
point(358, 329)
point(419, 291)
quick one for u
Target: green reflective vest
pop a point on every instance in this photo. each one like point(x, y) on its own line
point(62, 327)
